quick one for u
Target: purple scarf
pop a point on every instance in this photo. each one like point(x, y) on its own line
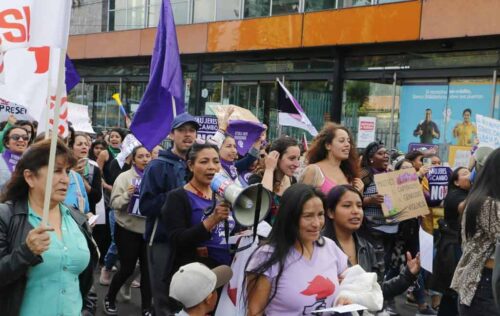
point(11, 159)
point(138, 171)
point(230, 168)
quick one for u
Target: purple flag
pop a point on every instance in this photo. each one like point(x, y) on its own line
point(164, 96)
point(72, 76)
point(245, 134)
point(291, 113)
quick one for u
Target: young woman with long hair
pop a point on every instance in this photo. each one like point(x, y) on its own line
point(332, 159)
point(195, 233)
point(480, 230)
point(277, 172)
point(296, 271)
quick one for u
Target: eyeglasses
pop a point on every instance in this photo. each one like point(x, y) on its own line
point(16, 137)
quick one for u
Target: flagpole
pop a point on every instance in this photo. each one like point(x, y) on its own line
point(53, 140)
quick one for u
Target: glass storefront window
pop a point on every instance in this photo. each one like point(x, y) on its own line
point(287, 66)
point(228, 10)
point(285, 7)
point(257, 8)
point(181, 11)
point(203, 11)
point(316, 5)
point(374, 99)
point(352, 3)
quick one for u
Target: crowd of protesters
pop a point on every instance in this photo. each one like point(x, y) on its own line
point(166, 231)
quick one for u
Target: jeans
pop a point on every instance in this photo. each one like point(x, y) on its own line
point(159, 254)
point(112, 254)
point(482, 303)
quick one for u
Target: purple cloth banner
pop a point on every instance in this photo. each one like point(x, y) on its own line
point(424, 148)
point(245, 134)
point(72, 76)
point(152, 121)
point(438, 182)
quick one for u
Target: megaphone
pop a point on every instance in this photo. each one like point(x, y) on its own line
point(243, 200)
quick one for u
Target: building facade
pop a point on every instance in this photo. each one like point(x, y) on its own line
point(341, 59)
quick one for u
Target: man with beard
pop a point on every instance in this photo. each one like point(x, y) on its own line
point(160, 177)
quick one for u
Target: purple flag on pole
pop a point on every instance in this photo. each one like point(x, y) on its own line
point(291, 113)
point(245, 134)
point(72, 76)
point(164, 96)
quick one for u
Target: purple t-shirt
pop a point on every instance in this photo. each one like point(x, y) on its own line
point(305, 285)
point(216, 249)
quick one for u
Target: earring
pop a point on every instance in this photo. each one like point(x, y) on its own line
point(371, 161)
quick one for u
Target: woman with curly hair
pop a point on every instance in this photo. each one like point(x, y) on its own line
point(332, 159)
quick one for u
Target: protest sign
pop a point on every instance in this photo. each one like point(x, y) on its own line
point(238, 114)
point(488, 131)
point(459, 156)
point(426, 149)
point(403, 195)
point(7, 108)
point(78, 115)
point(208, 126)
point(366, 131)
point(438, 178)
point(127, 146)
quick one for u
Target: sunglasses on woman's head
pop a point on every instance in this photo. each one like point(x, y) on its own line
point(16, 137)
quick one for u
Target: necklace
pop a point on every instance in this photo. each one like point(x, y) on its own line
point(199, 192)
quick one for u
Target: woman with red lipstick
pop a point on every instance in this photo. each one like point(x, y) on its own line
point(15, 141)
point(296, 271)
point(277, 173)
point(345, 214)
point(195, 233)
point(332, 159)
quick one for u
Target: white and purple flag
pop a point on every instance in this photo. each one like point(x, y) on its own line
point(164, 96)
point(291, 113)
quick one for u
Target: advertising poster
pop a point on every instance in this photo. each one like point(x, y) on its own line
point(442, 114)
point(366, 131)
point(403, 195)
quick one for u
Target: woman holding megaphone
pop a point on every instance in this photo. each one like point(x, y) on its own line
point(195, 234)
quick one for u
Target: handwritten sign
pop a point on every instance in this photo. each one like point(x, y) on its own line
point(459, 156)
point(403, 195)
point(208, 126)
point(366, 130)
point(238, 114)
point(438, 182)
point(426, 149)
point(78, 115)
point(488, 131)
point(127, 146)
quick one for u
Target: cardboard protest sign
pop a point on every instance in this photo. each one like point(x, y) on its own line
point(127, 146)
point(403, 195)
point(438, 178)
point(208, 126)
point(488, 131)
point(243, 126)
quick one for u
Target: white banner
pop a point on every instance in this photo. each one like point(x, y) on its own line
point(78, 115)
point(366, 130)
point(31, 74)
point(488, 131)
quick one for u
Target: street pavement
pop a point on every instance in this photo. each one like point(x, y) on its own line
point(133, 308)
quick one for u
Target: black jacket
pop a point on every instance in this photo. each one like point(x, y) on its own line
point(184, 237)
point(16, 258)
point(162, 175)
point(371, 259)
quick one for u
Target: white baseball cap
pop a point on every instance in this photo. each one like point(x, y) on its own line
point(195, 281)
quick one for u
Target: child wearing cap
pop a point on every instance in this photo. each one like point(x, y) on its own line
point(195, 287)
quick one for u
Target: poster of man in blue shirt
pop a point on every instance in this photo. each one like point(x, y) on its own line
point(427, 129)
